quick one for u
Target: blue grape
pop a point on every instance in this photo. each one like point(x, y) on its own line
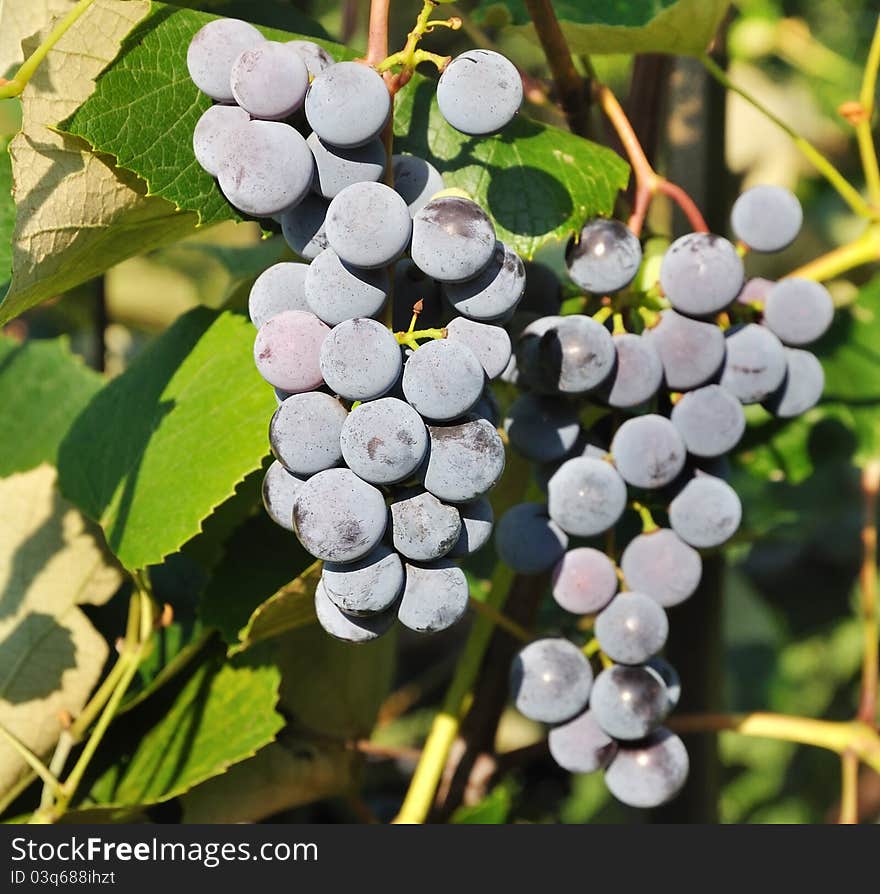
point(348, 104)
point(692, 352)
point(669, 675)
point(479, 92)
point(701, 274)
point(452, 239)
point(710, 420)
point(287, 350)
point(662, 565)
point(550, 680)
point(802, 388)
point(767, 218)
point(650, 773)
point(798, 311)
point(490, 344)
point(477, 522)
point(279, 491)
point(279, 288)
point(542, 429)
point(632, 628)
point(212, 135)
point(304, 432)
point(605, 258)
point(338, 517)
point(423, 528)
point(269, 80)
point(337, 291)
point(584, 581)
point(367, 587)
point(360, 359)
point(443, 379)
point(648, 451)
point(465, 460)
point(435, 596)
point(316, 58)
point(416, 180)
point(638, 372)
point(335, 168)
point(212, 52)
point(346, 627)
point(755, 363)
point(303, 227)
point(494, 292)
point(706, 513)
point(629, 702)
point(586, 496)
point(580, 745)
point(528, 541)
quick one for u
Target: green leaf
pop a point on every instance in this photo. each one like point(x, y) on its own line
point(165, 443)
point(682, 27)
point(45, 387)
point(271, 13)
point(222, 713)
point(538, 183)
point(494, 809)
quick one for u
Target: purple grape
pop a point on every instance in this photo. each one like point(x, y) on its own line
point(550, 680)
point(584, 581)
point(287, 351)
point(648, 451)
point(662, 565)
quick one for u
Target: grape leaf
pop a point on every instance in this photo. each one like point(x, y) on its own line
point(45, 387)
point(51, 561)
point(539, 185)
point(21, 20)
point(165, 443)
point(682, 27)
point(77, 214)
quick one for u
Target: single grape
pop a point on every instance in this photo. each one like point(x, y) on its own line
point(710, 420)
point(316, 58)
point(605, 258)
point(479, 92)
point(350, 628)
point(648, 451)
point(279, 491)
point(336, 291)
point(767, 218)
point(706, 513)
point(650, 773)
point(477, 521)
point(212, 52)
point(279, 288)
point(348, 104)
point(632, 628)
point(528, 541)
point(584, 581)
point(755, 291)
point(335, 168)
point(304, 432)
point(410, 287)
point(338, 517)
point(580, 745)
point(701, 274)
point(638, 372)
point(802, 388)
point(586, 497)
point(542, 429)
point(452, 239)
point(669, 675)
point(416, 180)
point(662, 565)
point(267, 170)
point(443, 379)
point(384, 441)
point(550, 680)
point(798, 311)
point(212, 135)
point(287, 348)
point(755, 363)
point(422, 527)
point(360, 359)
point(494, 292)
point(269, 80)
point(435, 596)
point(490, 344)
point(465, 460)
point(588, 443)
point(691, 352)
point(366, 587)
point(303, 227)
point(629, 702)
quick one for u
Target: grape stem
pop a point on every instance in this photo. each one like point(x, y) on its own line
point(863, 250)
point(499, 619)
point(867, 149)
point(16, 84)
point(870, 485)
point(408, 58)
point(648, 182)
point(413, 336)
point(849, 789)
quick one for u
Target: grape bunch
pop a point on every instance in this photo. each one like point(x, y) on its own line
point(385, 436)
point(668, 384)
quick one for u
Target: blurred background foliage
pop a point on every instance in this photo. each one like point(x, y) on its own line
point(790, 639)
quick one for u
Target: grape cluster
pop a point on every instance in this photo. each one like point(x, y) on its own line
point(385, 437)
point(668, 384)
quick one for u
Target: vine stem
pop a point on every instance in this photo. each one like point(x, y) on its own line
point(849, 789)
point(868, 586)
point(377, 35)
point(647, 181)
point(570, 86)
point(863, 250)
point(864, 135)
point(26, 70)
point(844, 188)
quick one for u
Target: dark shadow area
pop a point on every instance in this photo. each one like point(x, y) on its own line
point(42, 634)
